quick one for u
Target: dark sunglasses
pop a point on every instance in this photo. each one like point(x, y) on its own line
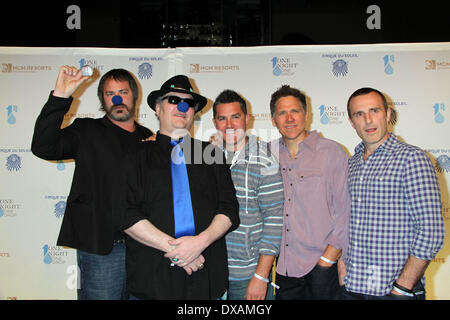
point(176, 100)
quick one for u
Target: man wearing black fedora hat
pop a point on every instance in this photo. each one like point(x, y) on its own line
point(181, 204)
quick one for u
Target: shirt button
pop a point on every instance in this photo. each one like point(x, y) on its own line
point(359, 199)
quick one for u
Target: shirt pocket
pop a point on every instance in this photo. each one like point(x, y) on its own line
point(308, 181)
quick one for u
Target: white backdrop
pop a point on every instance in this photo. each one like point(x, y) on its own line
point(415, 78)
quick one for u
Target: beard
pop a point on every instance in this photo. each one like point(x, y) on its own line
point(121, 112)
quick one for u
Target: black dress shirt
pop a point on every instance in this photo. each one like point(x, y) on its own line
point(150, 275)
point(96, 201)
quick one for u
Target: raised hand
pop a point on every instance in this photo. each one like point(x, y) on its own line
point(69, 79)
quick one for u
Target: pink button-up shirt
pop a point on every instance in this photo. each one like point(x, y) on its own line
point(317, 203)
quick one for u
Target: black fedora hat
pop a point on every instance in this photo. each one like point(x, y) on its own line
point(178, 83)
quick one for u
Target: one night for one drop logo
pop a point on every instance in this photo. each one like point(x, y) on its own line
point(283, 66)
point(53, 254)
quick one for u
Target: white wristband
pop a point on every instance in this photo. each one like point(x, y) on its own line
point(257, 276)
point(402, 292)
point(327, 260)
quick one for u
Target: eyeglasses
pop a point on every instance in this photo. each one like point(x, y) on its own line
point(176, 100)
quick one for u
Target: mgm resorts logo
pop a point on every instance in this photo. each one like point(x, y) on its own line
point(433, 64)
point(11, 68)
point(198, 68)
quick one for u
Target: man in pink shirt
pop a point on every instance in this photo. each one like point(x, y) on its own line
point(317, 202)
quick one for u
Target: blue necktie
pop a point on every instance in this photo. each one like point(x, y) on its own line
point(182, 204)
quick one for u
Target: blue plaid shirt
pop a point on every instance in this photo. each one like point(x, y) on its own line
point(396, 211)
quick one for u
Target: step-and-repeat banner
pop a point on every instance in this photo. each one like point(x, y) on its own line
point(33, 192)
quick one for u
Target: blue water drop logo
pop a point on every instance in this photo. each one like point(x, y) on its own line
point(324, 119)
point(276, 70)
point(47, 257)
point(11, 117)
point(388, 60)
point(388, 69)
point(438, 116)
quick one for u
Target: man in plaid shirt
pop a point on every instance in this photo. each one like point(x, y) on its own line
point(396, 224)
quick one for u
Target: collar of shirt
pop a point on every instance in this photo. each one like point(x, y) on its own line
point(164, 141)
point(389, 145)
point(250, 148)
point(310, 142)
point(108, 123)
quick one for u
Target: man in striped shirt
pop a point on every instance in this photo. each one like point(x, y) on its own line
point(396, 224)
point(253, 247)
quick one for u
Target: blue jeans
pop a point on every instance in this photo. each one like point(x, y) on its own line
point(102, 277)
point(237, 290)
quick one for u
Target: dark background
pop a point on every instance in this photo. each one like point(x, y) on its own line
point(176, 23)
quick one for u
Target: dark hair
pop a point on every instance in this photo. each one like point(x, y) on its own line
point(229, 96)
point(286, 91)
point(364, 91)
point(118, 75)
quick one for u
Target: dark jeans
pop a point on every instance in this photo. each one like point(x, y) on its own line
point(102, 277)
point(321, 283)
point(348, 295)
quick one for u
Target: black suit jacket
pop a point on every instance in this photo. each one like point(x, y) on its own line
point(149, 274)
point(96, 201)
